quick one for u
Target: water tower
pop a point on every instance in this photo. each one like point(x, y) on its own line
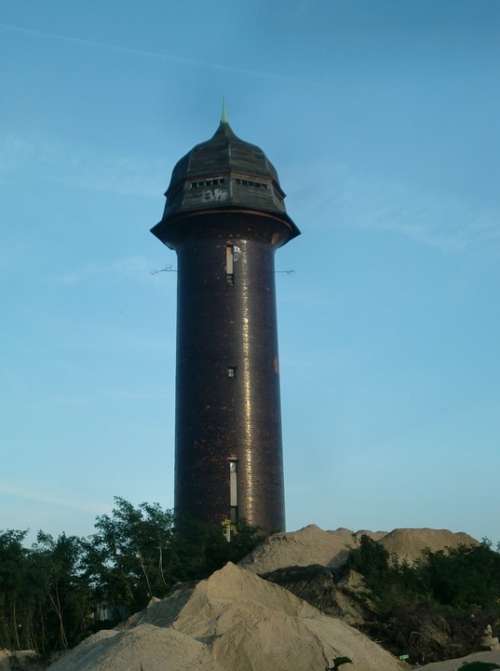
point(225, 217)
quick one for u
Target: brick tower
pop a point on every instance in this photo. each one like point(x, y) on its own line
point(225, 217)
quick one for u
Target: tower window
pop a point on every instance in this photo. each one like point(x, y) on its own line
point(230, 265)
point(248, 182)
point(233, 490)
point(208, 182)
point(231, 371)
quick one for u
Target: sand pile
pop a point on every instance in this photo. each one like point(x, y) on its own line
point(233, 620)
point(409, 544)
point(312, 545)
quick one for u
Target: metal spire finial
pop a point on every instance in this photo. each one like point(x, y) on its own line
point(223, 116)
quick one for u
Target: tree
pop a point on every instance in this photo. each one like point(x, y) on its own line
point(12, 565)
point(58, 565)
point(126, 560)
point(50, 593)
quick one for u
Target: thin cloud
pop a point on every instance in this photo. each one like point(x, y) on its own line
point(173, 58)
point(450, 222)
point(29, 494)
point(81, 167)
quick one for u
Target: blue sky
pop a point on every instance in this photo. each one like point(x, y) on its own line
point(383, 120)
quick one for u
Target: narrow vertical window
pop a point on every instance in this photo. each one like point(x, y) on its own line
point(233, 491)
point(230, 265)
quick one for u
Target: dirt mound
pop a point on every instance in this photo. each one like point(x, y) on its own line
point(312, 545)
point(233, 620)
point(143, 647)
point(409, 544)
point(320, 587)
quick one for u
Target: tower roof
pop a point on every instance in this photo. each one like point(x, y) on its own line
point(225, 172)
point(225, 152)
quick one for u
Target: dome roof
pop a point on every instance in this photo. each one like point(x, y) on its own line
point(225, 172)
point(225, 152)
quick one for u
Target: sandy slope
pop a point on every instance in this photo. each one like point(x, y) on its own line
point(312, 545)
point(233, 620)
point(410, 543)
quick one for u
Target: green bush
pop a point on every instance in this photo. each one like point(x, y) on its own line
point(436, 608)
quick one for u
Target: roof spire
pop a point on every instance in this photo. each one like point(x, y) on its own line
point(223, 115)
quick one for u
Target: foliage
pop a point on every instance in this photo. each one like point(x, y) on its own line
point(437, 607)
point(59, 590)
point(43, 600)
